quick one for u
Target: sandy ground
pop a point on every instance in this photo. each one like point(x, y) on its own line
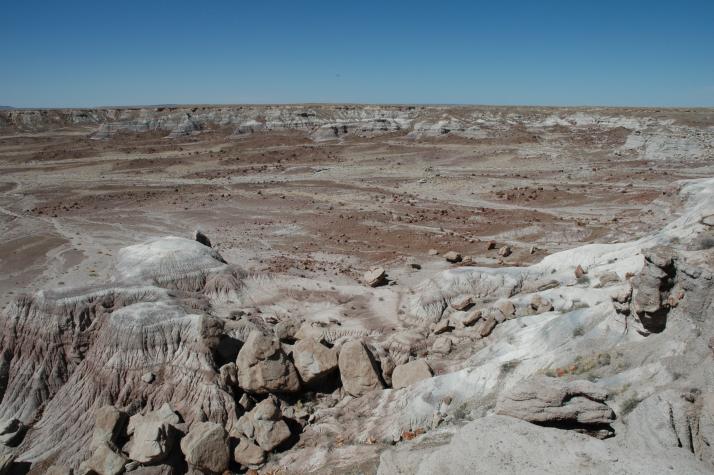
point(281, 202)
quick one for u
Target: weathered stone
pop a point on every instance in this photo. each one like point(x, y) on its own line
point(442, 345)
point(410, 373)
point(109, 426)
point(104, 461)
point(357, 369)
point(487, 326)
point(206, 447)
point(57, 470)
point(228, 375)
point(452, 256)
point(286, 330)
point(540, 304)
point(247, 453)
point(375, 277)
point(442, 326)
point(433, 252)
point(471, 318)
point(462, 303)
point(546, 400)
point(152, 441)
point(505, 251)
point(580, 272)
point(263, 367)
point(270, 434)
point(506, 307)
point(313, 360)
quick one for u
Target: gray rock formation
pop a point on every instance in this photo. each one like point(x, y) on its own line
point(263, 367)
point(206, 447)
point(551, 401)
point(409, 373)
point(314, 361)
point(357, 369)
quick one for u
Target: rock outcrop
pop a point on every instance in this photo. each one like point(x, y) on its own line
point(577, 405)
point(263, 367)
point(206, 447)
point(358, 369)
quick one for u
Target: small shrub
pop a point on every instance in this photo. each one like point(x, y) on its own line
point(509, 366)
point(630, 404)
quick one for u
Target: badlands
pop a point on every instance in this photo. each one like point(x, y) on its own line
point(356, 289)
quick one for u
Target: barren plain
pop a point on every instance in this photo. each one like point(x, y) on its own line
point(557, 215)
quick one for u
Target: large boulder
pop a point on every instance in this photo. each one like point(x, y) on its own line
point(407, 374)
point(551, 401)
point(109, 426)
point(650, 290)
point(206, 447)
point(265, 425)
point(264, 368)
point(105, 461)
point(153, 435)
point(314, 361)
point(247, 453)
point(357, 369)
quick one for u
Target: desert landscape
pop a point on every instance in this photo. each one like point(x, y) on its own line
point(376, 289)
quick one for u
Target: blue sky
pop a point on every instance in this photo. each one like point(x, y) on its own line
point(93, 53)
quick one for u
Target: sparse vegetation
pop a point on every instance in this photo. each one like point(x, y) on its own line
point(630, 404)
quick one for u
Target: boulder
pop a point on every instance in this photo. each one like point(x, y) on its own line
point(270, 434)
point(104, 461)
point(247, 453)
point(286, 330)
point(462, 303)
point(205, 447)
point(442, 345)
point(506, 307)
point(487, 326)
point(650, 290)
point(410, 373)
point(313, 360)
point(505, 251)
point(357, 369)
point(442, 326)
point(540, 304)
point(263, 367)
point(152, 440)
point(471, 318)
point(148, 378)
point(552, 401)
point(452, 256)
point(375, 277)
point(109, 426)
point(264, 424)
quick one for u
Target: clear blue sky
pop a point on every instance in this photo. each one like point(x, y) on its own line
point(576, 52)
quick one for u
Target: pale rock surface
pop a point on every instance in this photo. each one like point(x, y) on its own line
point(552, 400)
point(357, 369)
point(263, 366)
point(247, 453)
point(410, 373)
point(206, 447)
point(313, 360)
